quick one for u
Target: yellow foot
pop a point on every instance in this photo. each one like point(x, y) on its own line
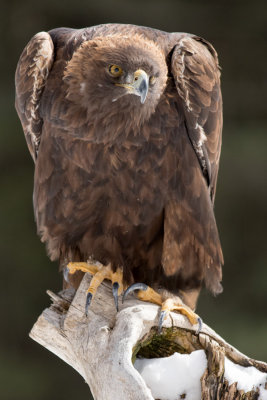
point(100, 273)
point(146, 293)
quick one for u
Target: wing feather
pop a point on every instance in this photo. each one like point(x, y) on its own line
point(196, 73)
point(32, 71)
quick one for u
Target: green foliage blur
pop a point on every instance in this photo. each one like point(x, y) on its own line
point(238, 30)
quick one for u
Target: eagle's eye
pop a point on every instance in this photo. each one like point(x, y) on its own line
point(115, 70)
point(152, 80)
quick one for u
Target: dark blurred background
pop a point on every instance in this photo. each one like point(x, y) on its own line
point(238, 30)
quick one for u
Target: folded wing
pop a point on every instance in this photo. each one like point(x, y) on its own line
point(32, 71)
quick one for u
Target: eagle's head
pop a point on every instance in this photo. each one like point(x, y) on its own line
point(117, 77)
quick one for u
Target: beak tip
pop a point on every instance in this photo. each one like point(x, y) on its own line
point(142, 99)
point(142, 90)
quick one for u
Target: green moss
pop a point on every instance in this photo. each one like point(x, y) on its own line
point(155, 345)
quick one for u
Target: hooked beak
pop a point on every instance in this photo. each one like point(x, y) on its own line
point(139, 86)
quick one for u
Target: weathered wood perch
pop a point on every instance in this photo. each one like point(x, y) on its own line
point(102, 346)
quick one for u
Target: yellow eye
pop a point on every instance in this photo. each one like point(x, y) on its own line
point(115, 70)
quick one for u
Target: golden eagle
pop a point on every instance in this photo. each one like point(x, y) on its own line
point(124, 125)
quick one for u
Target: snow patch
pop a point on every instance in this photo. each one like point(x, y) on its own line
point(170, 377)
point(247, 378)
point(263, 394)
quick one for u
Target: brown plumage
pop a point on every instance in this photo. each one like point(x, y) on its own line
point(123, 182)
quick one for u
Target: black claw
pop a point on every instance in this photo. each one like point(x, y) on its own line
point(115, 289)
point(66, 274)
point(88, 302)
point(200, 323)
point(135, 286)
point(161, 319)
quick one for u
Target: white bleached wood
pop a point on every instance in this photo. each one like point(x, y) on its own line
point(100, 346)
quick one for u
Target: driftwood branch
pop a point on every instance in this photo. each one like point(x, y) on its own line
point(102, 346)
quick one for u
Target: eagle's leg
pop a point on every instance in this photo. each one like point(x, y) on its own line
point(100, 273)
point(168, 304)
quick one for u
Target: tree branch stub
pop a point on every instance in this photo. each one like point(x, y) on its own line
point(101, 347)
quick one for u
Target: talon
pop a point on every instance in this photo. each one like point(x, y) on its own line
point(115, 290)
point(162, 317)
point(132, 288)
point(66, 274)
point(88, 302)
point(200, 324)
point(100, 273)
